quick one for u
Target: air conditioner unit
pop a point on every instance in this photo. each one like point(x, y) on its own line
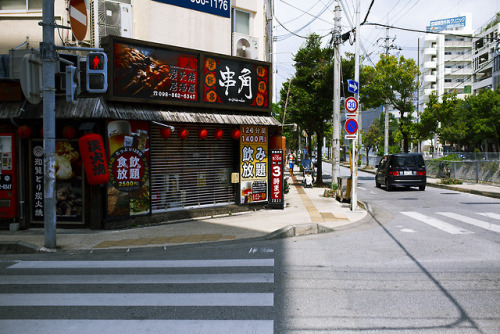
point(110, 18)
point(245, 46)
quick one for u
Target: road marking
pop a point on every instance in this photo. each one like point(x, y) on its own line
point(138, 279)
point(449, 228)
point(137, 299)
point(32, 326)
point(472, 221)
point(489, 215)
point(407, 230)
point(144, 264)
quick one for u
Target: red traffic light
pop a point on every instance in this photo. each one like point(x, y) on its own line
point(96, 61)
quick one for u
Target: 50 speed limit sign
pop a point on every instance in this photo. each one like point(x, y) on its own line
point(351, 105)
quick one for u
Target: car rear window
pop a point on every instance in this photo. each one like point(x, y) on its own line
point(408, 161)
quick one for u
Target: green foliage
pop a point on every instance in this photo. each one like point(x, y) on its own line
point(450, 157)
point(450, 181)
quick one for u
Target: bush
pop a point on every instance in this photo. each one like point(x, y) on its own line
point(450, 181)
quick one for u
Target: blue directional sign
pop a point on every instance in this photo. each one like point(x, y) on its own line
point(352, 86)
point(351, 126)
point(215, 7)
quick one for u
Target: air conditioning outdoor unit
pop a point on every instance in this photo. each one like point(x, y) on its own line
point(110, 18)
point(245, 46)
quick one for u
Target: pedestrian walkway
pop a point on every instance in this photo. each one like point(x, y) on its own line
point(305, 210)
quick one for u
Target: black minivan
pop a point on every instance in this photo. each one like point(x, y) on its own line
point(401, 169)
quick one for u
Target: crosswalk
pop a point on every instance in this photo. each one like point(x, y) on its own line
point(172, 296)
point(455, 222)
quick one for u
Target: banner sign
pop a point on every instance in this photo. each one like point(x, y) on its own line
point(128, 187)
point(276, 187)
point(254, 164)
point(447, 24)
point(231, 82)
point(148, 72)
point(215, 7)
point(154, 73)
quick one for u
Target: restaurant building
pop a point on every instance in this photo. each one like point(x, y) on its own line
point(180, 132)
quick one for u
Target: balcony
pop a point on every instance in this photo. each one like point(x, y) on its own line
point(430, 64)
point(429, 91)
point(430, 51)
point(429, 78)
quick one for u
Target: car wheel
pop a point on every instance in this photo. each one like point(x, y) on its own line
point(378, 185)
point(387, 186)
point(421, 188)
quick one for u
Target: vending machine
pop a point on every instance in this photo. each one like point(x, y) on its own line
point(8, 198)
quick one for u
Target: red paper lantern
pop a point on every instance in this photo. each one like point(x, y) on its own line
point(69, 132)
point(202, 134)
point(165, 133)
point(218, 134)
point(94, 159)
point(24, 131)
point(235, 133)
point(183, 133)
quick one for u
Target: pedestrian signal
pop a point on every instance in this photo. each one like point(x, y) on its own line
point(97, 72)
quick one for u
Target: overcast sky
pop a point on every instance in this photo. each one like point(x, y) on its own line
point(316, 16)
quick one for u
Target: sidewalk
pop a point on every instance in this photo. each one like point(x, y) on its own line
point(306, 212)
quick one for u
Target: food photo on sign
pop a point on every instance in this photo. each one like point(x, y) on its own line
point(128, 187)
point(154, 73)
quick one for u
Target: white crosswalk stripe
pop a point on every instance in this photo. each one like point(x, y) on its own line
point(175, 292)
point(490, 215)
point(471, 221)
point(439, 224)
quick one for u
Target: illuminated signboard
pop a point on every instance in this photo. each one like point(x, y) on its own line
point(215, 7)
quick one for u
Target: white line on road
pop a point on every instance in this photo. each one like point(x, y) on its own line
point(452, 229)
point(489, 215)
point(29, 326)
point(138, 279)
point(137, 299)
point(144, 264)
point(472, 221)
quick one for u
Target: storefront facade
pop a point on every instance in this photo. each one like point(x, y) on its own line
point(180, 131)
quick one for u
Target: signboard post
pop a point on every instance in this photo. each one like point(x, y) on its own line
point(276, 186)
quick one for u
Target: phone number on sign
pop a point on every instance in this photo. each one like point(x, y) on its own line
point(220, 4)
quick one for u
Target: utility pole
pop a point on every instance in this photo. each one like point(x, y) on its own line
point(337, 39)
point(354, 178)
point(48, 52)
point(386, 107)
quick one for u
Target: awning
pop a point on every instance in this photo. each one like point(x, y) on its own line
point(99, 108)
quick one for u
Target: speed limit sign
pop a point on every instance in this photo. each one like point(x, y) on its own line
point(351, 104)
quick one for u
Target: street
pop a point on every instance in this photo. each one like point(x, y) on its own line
point(421, 262)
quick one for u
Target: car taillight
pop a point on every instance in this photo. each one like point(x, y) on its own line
point(394, 173)
point(421, 172)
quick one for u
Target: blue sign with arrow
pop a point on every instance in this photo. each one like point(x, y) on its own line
point(352, 86)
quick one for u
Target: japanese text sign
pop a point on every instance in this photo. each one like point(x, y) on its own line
point(276, 186)
point(254, 164)
point(215, 7)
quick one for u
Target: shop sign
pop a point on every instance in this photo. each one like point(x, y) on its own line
point(215, 7)
point(154, 73)
point(128, 187)
point(69, 188)
point(235, 83)
point(276, 187)
point(254, 164)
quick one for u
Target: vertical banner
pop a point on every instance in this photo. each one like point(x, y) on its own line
point(128, 187)
point(276, 186)
point(254, 166)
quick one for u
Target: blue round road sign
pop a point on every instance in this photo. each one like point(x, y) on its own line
point(351, 126)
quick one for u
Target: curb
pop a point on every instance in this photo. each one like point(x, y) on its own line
point(465, 190)
point(21, 247)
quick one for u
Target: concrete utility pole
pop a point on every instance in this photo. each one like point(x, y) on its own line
point(48, 52)
point(337, 39)
point(354, 188)
point(386, 107)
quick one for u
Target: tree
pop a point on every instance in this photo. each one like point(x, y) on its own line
point(372, 139)
point(310, 96)
point(394, 83)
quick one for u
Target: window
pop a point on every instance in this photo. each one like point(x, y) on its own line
point(241, 22)
point(20, 5)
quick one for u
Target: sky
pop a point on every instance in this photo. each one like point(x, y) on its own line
point(316, 16)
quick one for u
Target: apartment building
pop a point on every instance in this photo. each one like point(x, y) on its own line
point(486, 61)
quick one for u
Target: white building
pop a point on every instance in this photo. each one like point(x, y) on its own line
point(446, 62)
point(485, 44)
point(247, 29)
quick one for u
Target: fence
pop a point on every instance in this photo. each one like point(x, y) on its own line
point(474, 167)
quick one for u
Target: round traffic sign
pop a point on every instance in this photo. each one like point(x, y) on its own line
point(351, 126)
point(78, 18)
point(351, 104)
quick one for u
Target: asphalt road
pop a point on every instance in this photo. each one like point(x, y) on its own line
point(412, 266)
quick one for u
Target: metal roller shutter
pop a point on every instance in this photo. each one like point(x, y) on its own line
point(193, 172)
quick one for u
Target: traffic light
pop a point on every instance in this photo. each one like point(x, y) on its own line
point(72, 75)
point(97, 72)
